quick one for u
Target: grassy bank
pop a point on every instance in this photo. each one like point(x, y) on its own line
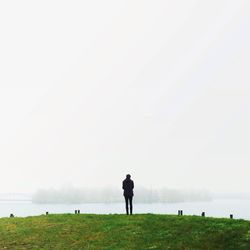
point(123, 232)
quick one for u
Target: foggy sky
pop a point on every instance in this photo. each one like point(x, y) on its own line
point(93, 90)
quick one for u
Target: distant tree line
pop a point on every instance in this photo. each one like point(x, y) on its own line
point(72, 195)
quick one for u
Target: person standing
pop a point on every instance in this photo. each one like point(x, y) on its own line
point(128, 186)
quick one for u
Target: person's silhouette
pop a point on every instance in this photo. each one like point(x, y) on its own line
point(128, 186)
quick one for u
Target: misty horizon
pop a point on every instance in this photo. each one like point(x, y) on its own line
point(108, 194)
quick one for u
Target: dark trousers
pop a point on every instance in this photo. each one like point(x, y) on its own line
point(129, 199)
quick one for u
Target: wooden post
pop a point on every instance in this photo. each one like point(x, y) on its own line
point(231, 216)
point(203, 214)
point(47, 213)
point(11, 215)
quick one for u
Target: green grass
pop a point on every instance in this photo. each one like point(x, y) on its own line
point(146, 231)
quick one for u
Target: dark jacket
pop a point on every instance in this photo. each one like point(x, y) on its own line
point(128, 186)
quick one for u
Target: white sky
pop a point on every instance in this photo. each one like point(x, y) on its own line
point(93, 90)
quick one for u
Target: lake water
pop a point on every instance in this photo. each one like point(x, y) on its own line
point(240, 208)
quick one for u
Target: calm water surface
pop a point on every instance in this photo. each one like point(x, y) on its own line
point(240, 208)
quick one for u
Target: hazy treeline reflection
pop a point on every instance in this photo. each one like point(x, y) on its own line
point(107, 195)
